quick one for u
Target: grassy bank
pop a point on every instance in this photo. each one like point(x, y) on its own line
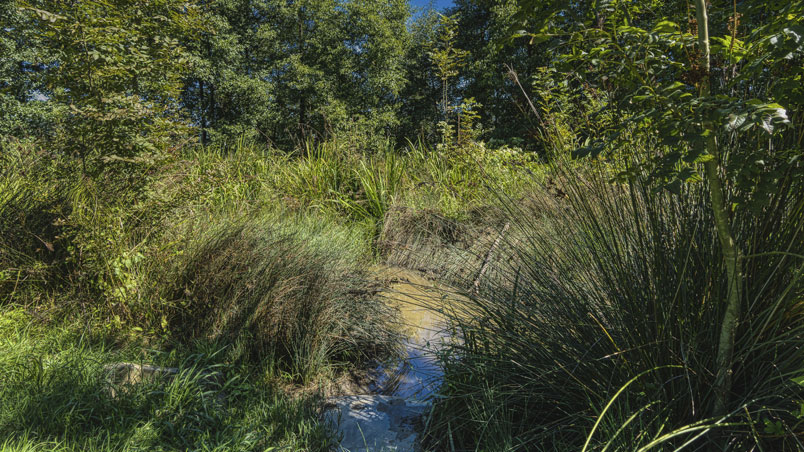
point(250, 262)
point(56, 395)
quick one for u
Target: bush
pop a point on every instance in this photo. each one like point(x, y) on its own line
point(601, 335)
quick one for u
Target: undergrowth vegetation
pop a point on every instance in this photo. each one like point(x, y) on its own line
point(615, 189)
point(596, 332)
point(57, 395)
point(249, 262)
point(289, 292)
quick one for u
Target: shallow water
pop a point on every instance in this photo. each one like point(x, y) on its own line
point(417, 374)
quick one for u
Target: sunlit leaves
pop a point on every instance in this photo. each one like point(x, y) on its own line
point(118, 66)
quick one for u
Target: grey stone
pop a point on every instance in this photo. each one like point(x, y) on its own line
point(120, 375)
point(130, 373)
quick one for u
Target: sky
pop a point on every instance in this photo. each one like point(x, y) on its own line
point(438, 4)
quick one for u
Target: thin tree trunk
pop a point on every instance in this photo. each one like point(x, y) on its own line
point(731, 253)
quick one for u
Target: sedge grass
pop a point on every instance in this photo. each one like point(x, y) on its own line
point(606, 283)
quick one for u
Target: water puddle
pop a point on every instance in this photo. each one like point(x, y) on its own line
point(421, 302)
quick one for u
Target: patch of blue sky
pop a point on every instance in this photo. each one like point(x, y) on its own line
point(436, 4)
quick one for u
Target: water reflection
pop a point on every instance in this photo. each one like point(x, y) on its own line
point(417, 374)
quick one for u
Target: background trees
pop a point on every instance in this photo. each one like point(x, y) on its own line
point(280, 71)
point(288, 70)
point(114, 67)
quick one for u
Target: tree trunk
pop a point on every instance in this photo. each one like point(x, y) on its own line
point(731, 253)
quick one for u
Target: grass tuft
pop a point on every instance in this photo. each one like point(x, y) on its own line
point(289, 291)
point(597, 332)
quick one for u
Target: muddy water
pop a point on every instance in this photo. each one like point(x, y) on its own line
point(390, 416)
point(421, 303)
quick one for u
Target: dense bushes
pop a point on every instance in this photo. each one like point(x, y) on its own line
point(600, 336)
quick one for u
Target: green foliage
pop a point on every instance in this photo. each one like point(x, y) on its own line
point(292, 71)
point(116, 67)
point(595, 326)
point(447, 60)
point(22, 112)
point(703, 111)
point(492, 59)
point(56, 395)
point(651, 73)
point(571, 112)
point(419, 111)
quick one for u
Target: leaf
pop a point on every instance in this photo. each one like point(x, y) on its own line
point(735, 121)
point(666, 26)
point(673, 187)
point(767, 125)
point(46, 15)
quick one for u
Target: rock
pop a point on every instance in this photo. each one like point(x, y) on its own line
point(374, 423)
point(127, 374)
point(130, 373)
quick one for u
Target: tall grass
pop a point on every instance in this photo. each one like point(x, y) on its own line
point(286, 291)
point(601, 331)
point(31, 201)
point(381, 182)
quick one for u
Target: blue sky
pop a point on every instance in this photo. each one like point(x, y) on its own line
point(438, 4)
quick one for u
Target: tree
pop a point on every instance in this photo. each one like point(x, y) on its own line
point(419, 109)
point(291, 70)
point(447, 59)
point(228, 91)
point(483, 31)
point(23, 111)
point(116, 66)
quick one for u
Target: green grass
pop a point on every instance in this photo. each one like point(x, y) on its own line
point(56, 395)
point(597, 332)
point(251, 262)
